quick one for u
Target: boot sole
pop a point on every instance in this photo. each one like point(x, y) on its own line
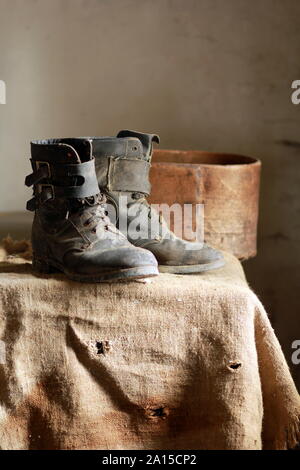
point(128, 274)
point(191, 268)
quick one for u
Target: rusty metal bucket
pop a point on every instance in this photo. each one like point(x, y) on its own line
point(227, 185)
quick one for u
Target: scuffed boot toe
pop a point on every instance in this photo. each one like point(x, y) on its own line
point(189, 258)
point(118, 264)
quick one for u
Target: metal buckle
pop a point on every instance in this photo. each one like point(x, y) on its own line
point(47, 164)
point(41, 186)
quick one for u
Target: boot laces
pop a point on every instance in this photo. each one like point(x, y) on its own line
point(94, 210)
point(140, 198)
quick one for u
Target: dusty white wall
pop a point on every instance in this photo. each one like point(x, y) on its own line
point(205, 74)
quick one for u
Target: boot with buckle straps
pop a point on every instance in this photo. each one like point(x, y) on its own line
point(71, 231)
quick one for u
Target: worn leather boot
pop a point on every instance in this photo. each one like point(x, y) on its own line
point(122, 167)
point(71, 231)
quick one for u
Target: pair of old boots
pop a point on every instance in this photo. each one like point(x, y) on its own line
point(73, 182)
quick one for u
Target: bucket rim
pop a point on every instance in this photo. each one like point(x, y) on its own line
point(241, 160)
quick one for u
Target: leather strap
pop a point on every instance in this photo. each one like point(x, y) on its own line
point(129, 175)
point(31, 204)
point(145, 139)
point(37, 176)
point(48, 180)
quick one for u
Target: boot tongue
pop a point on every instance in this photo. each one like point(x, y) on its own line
point(146, 140)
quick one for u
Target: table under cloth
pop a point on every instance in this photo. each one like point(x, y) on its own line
point(181, 362)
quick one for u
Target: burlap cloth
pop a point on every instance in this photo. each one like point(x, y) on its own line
point(182, 362)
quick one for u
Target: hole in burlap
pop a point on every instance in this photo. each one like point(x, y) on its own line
point(160, 412)
point(102, 347)
point(234, 365)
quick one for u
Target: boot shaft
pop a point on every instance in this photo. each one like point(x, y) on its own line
point(122, 166)
point(123, 162)
point(63, 170)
